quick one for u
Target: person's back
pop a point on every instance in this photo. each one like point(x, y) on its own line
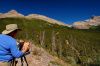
point(5, 54)
point(8, 48)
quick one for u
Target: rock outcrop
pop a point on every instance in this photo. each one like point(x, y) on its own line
point(93, 21)
point(81, 25)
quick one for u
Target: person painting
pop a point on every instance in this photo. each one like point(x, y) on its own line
point(8, 45)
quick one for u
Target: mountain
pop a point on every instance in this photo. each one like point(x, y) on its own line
point(93, 21)
point(14, 14)
point(86, 24)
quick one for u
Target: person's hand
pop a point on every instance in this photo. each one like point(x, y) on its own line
point(25, 47)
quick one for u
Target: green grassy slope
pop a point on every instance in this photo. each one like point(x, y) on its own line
point(74, 46)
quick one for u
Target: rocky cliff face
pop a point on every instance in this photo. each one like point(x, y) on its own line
point(81, 25)
point(14, 14)
point(93, 21)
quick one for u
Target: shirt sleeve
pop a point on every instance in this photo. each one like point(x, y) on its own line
point(14, 49)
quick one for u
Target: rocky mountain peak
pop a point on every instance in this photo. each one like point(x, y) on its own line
point(13, 12)
point(93, 21)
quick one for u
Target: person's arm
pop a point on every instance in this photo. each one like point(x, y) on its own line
point(14, 49)
point(16, 52)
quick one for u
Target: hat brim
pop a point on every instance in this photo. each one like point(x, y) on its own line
point(7, 32)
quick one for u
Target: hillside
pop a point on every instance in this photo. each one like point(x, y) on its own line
point(76, 47)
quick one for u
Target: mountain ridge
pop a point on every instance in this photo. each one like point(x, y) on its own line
point(14, 13)
point(86, 24)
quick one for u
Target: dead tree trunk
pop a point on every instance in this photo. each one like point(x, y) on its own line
point(74, 49)
point(60, 48)
point(42, 37)
point(53, 41)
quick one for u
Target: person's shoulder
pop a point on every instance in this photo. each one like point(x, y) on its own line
point(6, 37)
point(3, 35)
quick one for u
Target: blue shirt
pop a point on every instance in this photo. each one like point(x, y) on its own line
point(8, 48)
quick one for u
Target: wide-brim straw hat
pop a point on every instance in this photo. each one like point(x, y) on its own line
point(10, 28)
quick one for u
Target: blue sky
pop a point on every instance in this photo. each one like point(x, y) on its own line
point(67, 11)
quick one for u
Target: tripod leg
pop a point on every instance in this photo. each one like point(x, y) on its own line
point(25, 60)
point(21, 61)
point(13, 62)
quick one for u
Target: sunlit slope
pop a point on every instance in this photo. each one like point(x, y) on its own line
point(73, 46)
